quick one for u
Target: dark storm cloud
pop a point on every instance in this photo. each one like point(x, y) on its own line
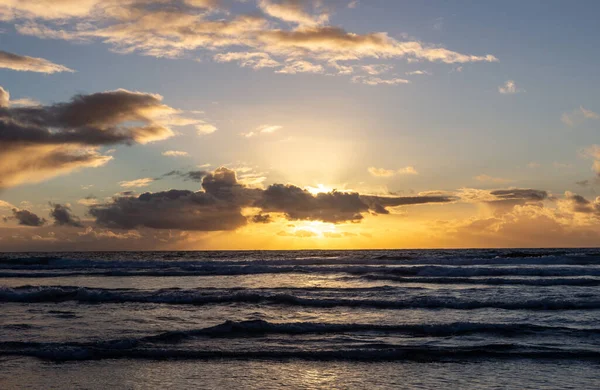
point(26, 218)
point(62, 216)
point(219, 205)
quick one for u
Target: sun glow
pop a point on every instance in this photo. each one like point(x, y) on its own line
point(320, 188)
point(316, 229)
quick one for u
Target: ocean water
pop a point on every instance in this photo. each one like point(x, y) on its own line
point(429, 319)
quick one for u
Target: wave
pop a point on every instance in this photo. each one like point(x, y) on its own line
point(547, 281)
point(244, 328)
point(380, 352)
point(205, 261)
point(196, 297)
point(119, 270)
point(160, 346)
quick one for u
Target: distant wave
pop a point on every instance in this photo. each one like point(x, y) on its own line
point(195, 297)
point(497, 281)
point(166, 261)
point(158, 269)
point(125, 349)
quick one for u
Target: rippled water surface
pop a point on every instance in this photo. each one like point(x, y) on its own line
point(301, 319)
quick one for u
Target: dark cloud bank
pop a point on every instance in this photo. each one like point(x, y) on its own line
point(218, 206)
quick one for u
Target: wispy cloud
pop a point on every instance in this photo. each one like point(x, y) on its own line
point(377, 69)
point(382, 172)
point(146, 181)
point(289, 36)
point(263, 129)
point(418, 73)
point(175, 153)
point(409, 170)
point(29, 64)
point(578, 116)
point(378, 81)
point(205, 128)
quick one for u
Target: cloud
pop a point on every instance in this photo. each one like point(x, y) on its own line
point(593, 151)
point(418, 73)
point(578, 116)
point(26, 218)
point(509, 88)
point(299, 204)
point(300, 233)
point(145, 182)
point(4, 97)
point(42, 9)
point(378, 81)
point(63, 217)
point(409, 170)
point(503, 200)
point(254, 60)
point(300, 66)
point(289, 36)
point(89, 200)
point(6, 101)
point(263, 129)
point(520, 194)
point(29, 64)
point(188, 176)
point(6, 205)
point(382, 172)
point(261, 218)
point(337, 44)
point(205, 128)
point(40, 142)
point(523, 226)
point(374, 70)
point(490, 179)
point(292, 11)
point(578, 204)
point(216, 208)
point(175, 153)
point(219, 205)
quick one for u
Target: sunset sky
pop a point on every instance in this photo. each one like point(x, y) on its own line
point(288, 124)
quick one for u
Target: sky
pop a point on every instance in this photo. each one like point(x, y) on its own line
point(290, 124)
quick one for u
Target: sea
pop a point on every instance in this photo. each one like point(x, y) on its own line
point(413, 319)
